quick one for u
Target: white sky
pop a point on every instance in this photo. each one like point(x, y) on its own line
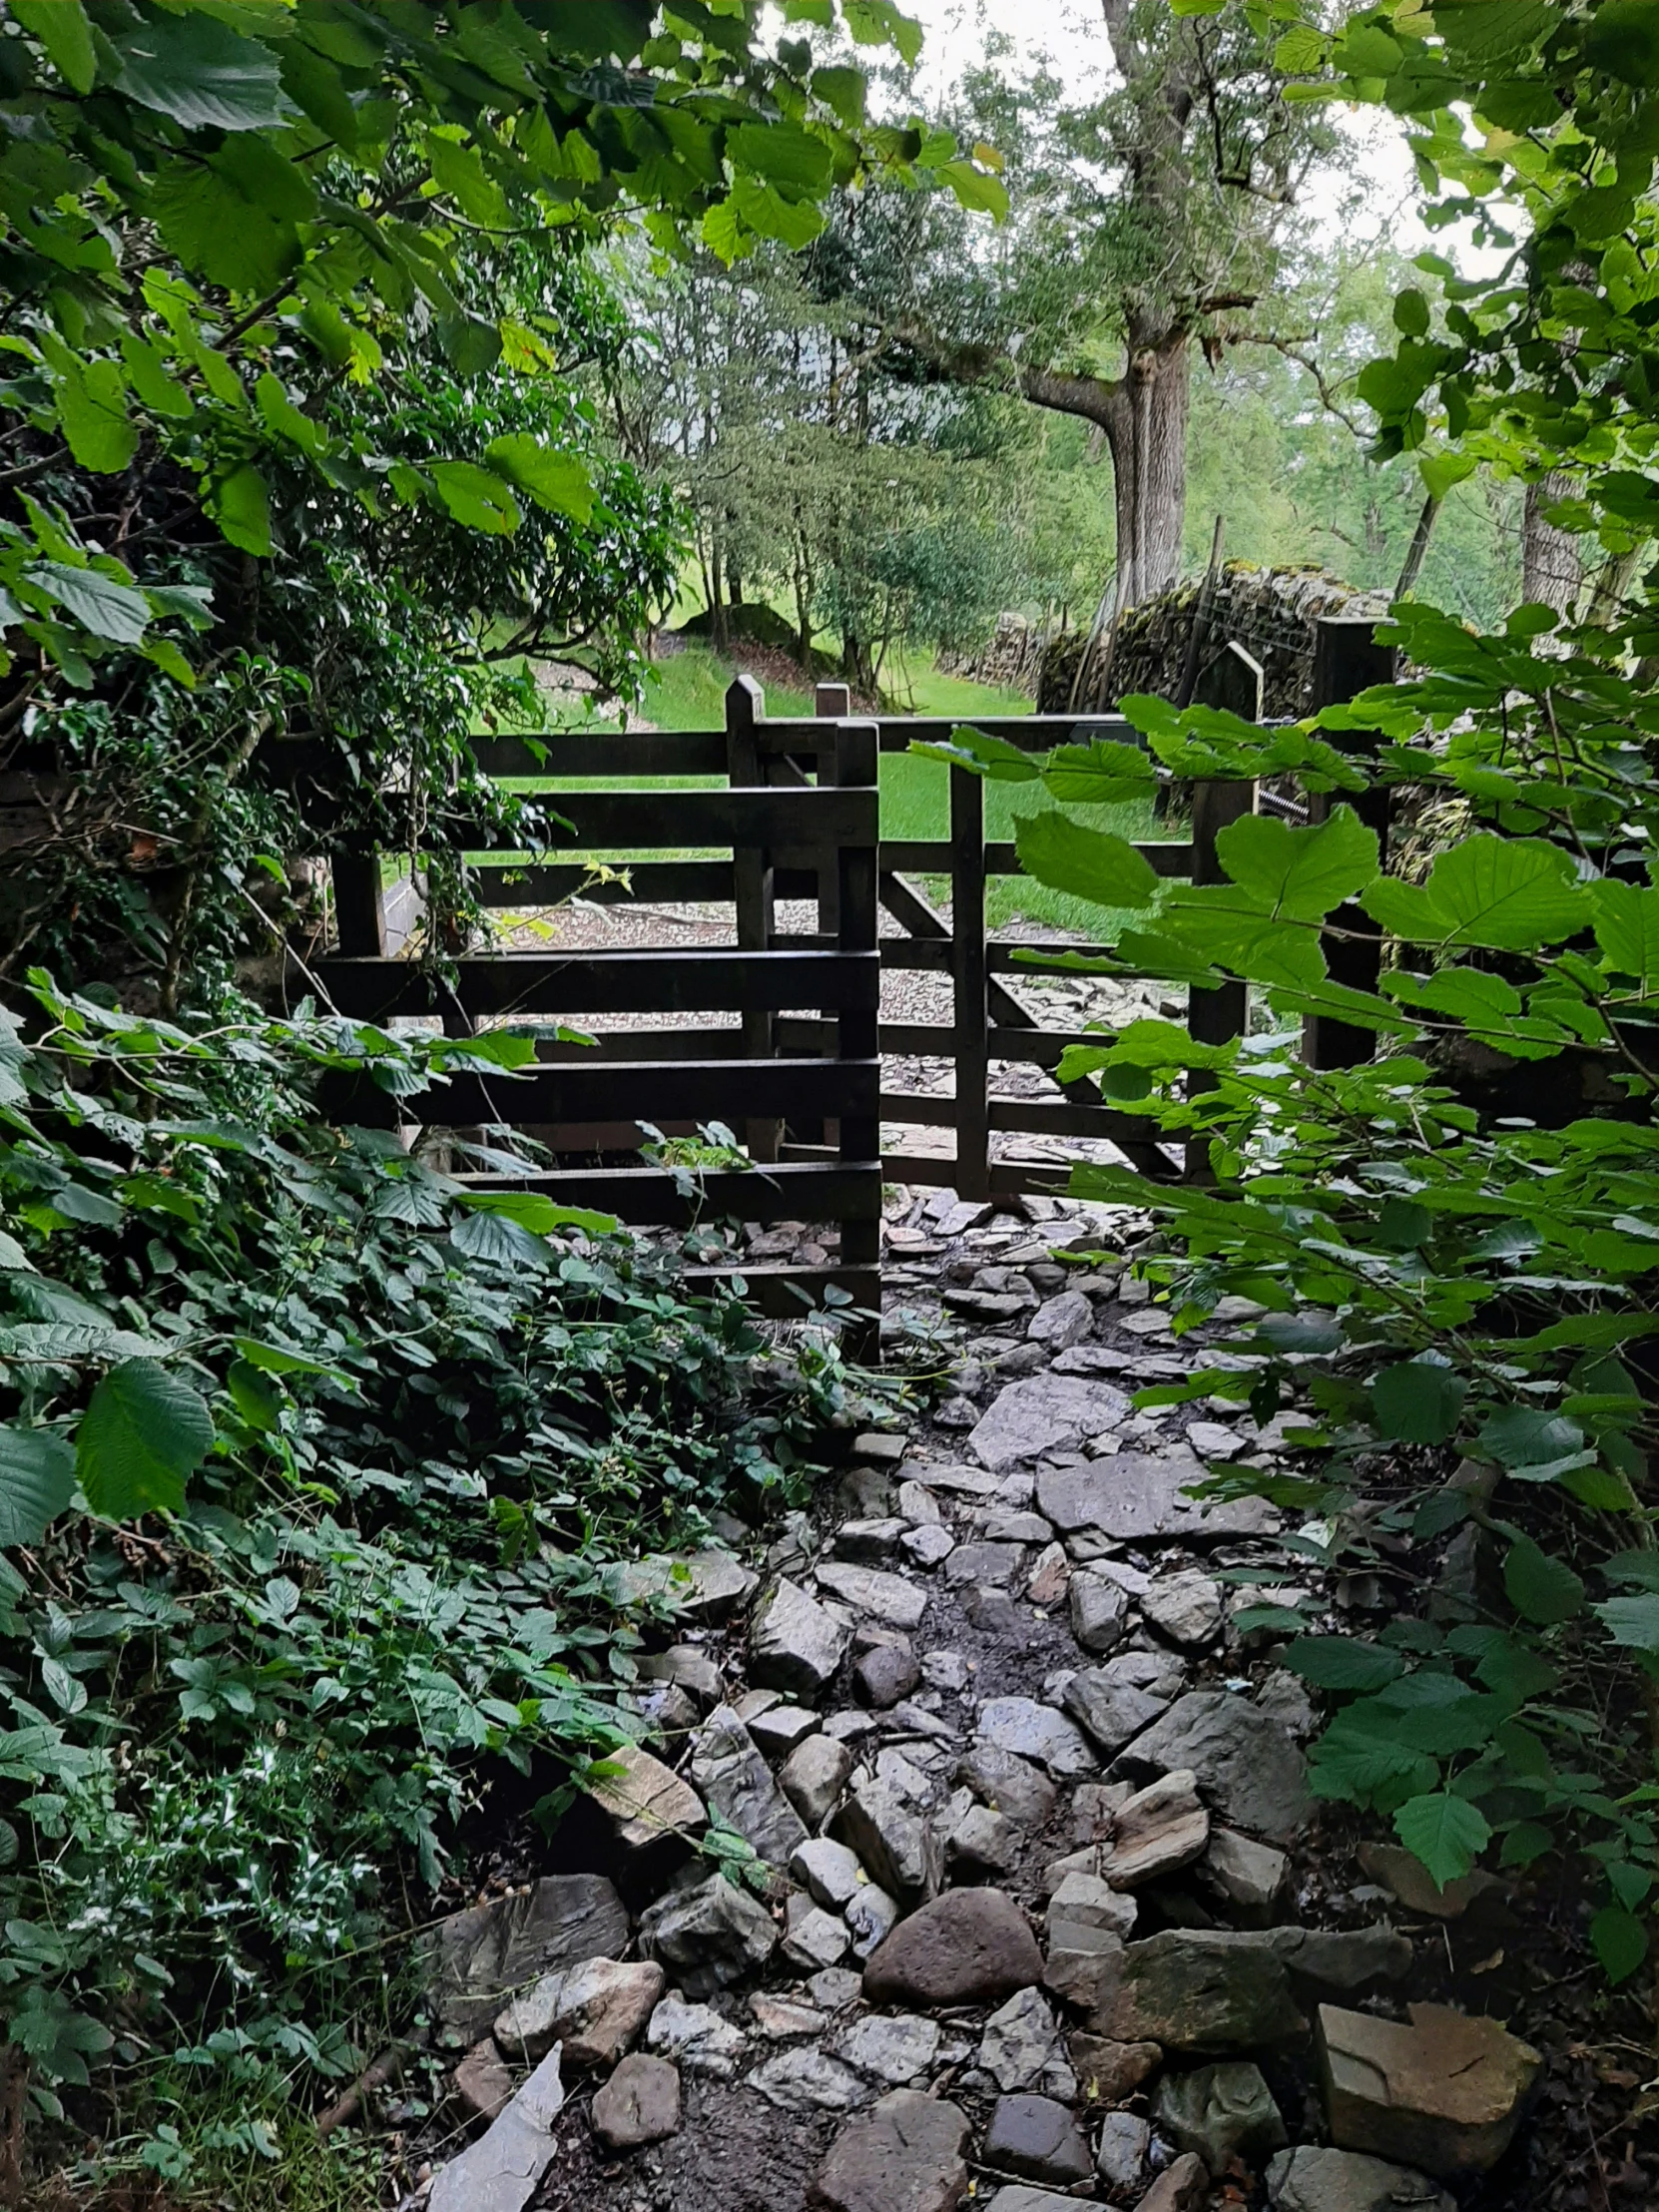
point(1072, 34)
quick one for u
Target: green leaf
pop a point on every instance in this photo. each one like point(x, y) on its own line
point(476, 499)
point(1412, 317)
point(1622, 37)
point(1368, 51)
point(1512, 894)
point(1443, 472)
point(1446, 1833)
point(1418, 1401)
point(559, 482)
point(537, 1212)
point(1089, 864)
point(1542, 1589)
point(782, 152)
point(277, 1359)
point(140, 1438)
point(1341, 1663)
point(1525, 1436)
point(975, 189)
point(96, 601)
point(793, 222)
point(63, 30)
point(882, 23)
point(235, 220)
point(241, 504)
point(1632, 1622)
point(842, 91)
point(282, 416)
point(1299, 874)
point(1619, 1939)
point(91, 407)
point(502, 1242)
point(37, 1481)
point(201, 75)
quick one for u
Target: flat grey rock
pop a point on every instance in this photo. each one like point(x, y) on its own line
point(895, 2051)
point(709, 1937)
point(1099, 1608)
point(813, 1777)
point(1111, 1713)
point(503, 2169)
point(477, 1958)
point(1313, 2180)
point(1027, 1729)
point(905, 2156)
point(829, 1871)
point(868, 1590)
point(1131, 1498)
point(697, 2036)
point(1020, 2041)
point(813, 1937)
point(893, 1839)
point(1045, 1412)
point(1249, 1770)
point(1062, 1322)
point(807, 2081)
point(795, 1643)
point(736, 1781)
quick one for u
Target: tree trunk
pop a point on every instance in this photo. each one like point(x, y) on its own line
point(1147, 432)
point(1552, 564)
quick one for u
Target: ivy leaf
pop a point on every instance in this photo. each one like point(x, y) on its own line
point(1542, 1589)
point(201, 75)
point(1089, 864)
point(1418, 1401)
point(559, 482)
point(143, 1433)
point(37, 1481)
point(1446, 1833)
point(1341, 1663)
point(1620, 1942)
point(98, 603)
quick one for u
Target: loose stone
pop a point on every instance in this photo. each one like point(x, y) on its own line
point(1158, 1832)
point(884, 1597)
point(1444, 2092)
point(479, 1957)
point(1020, 2042)
point(483, 2082)
point(1027, 1729)
point(994, 1566)
point(1111, 1713)
point(1403, 1874)
point(929, 1544)
point(1050, 1578)
point(697, 2036)
point(596, 2010)
point(970, 1946)
point(1247, 1768)
point(690, 1666)
point(1109, 2072)
point(709, 1937)
point(905, 2156)
point(640, 2104)
point(1062, 1322)
point(778, 1731)
point(1084, 1901)
point(828, 1869)
point(809, 2081)
point(1008, 1784)
point(835, 1989)
point(782, 2021)
point(1134, 1498)
point(892, 1839)
point(502, 2171)
point(813, 1777)
point(649, 1805)
point(896, 2051)
point(1120, 2158)
point(1100, 1612)
point(1312, 2180)
point(869, 1541)
point(1043, 1413)
point(1252, 1879)
point(883, 1676)
point(1183, 2187)
point(872, 1917)
point(1186, 1608)
point(918, 1505)
point(1199, 1989)
point(1222, 2113)
point(814, 1938)
point(728, 1767)
point(978, 1841)
point(1038, 2138)
point(795, 1643)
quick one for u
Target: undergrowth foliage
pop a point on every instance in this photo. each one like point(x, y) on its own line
point(1454, 1244)
point(393, 1438)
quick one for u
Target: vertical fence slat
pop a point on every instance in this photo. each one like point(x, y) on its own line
point(359, 909)
point(1346, 660)
point(751, 874)
point(969, 974)
point(859, 1035)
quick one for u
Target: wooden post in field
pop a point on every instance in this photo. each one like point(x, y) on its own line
point(1346, 660)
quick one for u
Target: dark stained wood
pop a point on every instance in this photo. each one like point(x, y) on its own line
point(360, 907)
point(858, 1029)
point(932, 857)
point(970, 981)
point(650, 882)
point(1346, 660)
point(751, 887)
point(614, 755)
point(659, 1091)
point(649, 1197)
point(804, 817)
point(507, 984)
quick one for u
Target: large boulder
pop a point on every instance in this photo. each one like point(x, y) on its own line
point(477, 1958)
point(905, 2156)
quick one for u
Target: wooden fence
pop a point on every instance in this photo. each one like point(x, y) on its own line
point(799, 1074)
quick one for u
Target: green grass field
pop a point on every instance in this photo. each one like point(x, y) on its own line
point(688, 692)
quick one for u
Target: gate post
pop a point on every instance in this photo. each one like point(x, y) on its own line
point(746, 708)
point(969, 970)
point(360, 908)
point(859, 1030)
point(1346, 660)
point(1234, 680)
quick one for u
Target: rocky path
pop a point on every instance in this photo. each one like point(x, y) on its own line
point(1041, 1924)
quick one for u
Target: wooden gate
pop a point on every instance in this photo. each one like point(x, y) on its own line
point(794, 816)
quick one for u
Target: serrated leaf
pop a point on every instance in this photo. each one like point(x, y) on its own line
point(241, 504)
point(1299, 874)
point(476, 499)
point(1632, 1622)
point(143, 1434)
point(1341, 1663)
point(559, 482)
point(1619, 1939)
point(1089, 864)
point(1508, 893)
point(63, 31)
point(1418, 1401)
point(37, 1481)
point(1542, 1589)
point(1523, 1436)
point(201, 75)
point(1446, 1833)
point(96, 602)
point(499, 1241)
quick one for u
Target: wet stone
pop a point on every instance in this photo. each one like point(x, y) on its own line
point(813, 1777)
point(795, 1644)
point(1008, 1783)
point(1037, 2138)
point(1313, 2180)
point(709, 1937)
point(1026, 1729)
point(1221, 2113)
point(697, 2036)
point(1199, 1989)
point(728, 1767)
point(1247, 1768)
point(640, 2104)
point(897, 2051)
